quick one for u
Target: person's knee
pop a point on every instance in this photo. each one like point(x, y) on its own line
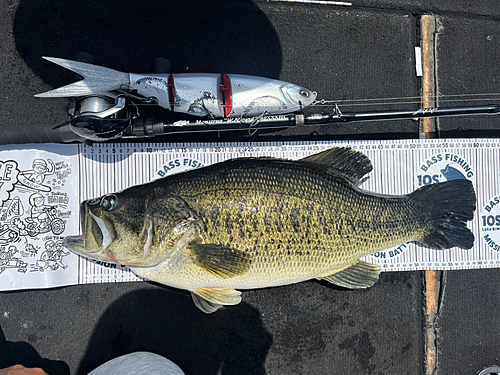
point(139, 363)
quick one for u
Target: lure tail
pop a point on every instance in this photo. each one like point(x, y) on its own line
point(97, 79)
point(449, 205)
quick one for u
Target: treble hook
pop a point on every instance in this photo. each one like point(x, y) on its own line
point(255, 121)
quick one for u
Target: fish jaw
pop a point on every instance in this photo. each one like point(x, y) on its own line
point(98, 235)
point(76, 244)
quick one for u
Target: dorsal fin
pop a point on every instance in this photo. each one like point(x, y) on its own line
point(349, 163)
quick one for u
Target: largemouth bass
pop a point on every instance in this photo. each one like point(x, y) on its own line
point(262, 222)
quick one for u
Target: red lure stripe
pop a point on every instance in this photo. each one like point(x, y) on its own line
point(171, 91)
point(228, 95)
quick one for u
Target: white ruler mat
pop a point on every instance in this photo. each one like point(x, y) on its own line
point(399, 167)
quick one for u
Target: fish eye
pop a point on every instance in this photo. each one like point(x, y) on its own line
point(108, 202)
point(304, 93)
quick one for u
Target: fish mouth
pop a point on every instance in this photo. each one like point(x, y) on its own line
point(99, 235)
point(107, 230)
point(75, 243)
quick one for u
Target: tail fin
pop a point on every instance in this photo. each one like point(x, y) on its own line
point(449, 205)
point(97, 79)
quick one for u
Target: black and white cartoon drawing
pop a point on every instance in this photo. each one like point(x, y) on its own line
point(30, 250)
point(43, 218)
point(33, 209)
point(34, 178)
point(52, 256)
point(7, 235)
point(39, 170)
point(37, 203)
point(59, 253)
point(7, 260)
point(15, 208)
point(9, 174)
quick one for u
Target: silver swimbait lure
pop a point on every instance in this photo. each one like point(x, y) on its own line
point(198, 94)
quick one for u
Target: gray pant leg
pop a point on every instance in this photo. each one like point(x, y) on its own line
point(138, 363)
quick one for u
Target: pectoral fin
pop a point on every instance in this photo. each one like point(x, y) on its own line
point(221, 261)
point(209, 300)
point(359, 275)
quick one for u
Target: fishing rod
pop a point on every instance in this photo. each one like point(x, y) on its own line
point(104, 106)
point(150, 128)
point(90, 128)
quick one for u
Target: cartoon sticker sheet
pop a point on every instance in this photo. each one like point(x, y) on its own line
point(39, 200)
point(41, 187)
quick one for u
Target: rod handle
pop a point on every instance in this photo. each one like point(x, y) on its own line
point(45, 133)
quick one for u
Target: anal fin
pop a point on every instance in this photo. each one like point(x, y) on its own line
point(209, 300)
point(359, 275)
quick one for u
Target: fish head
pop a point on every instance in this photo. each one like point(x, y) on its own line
point(297, 95)
point(131, 228)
